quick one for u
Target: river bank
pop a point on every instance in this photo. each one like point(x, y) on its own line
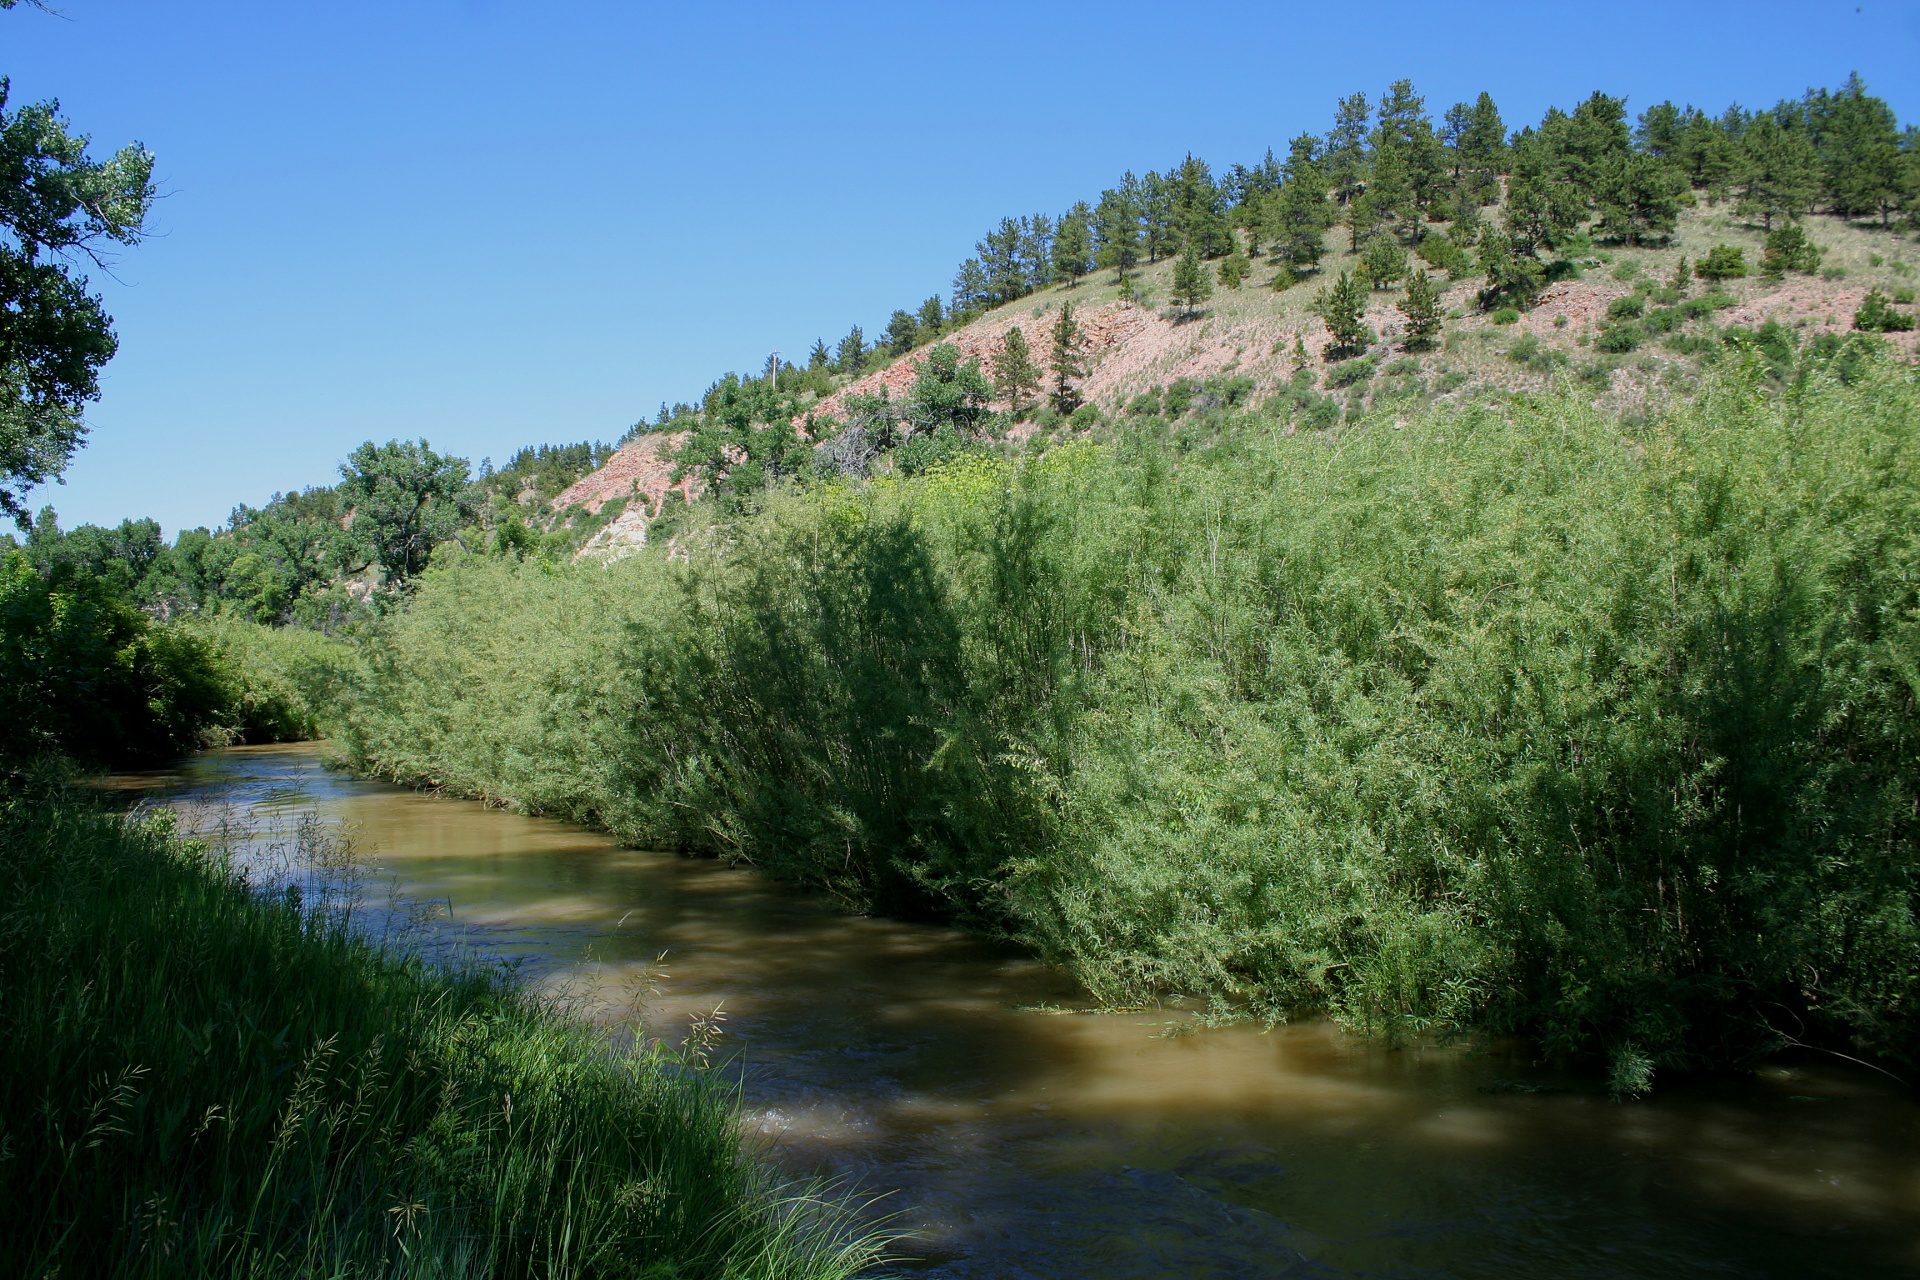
point(918, 1061)
point(203, 1072)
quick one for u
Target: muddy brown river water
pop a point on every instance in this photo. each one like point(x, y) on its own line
point(910, 1061)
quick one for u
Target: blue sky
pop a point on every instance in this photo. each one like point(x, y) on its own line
point(497, 224)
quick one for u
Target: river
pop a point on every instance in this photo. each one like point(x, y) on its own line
point(928, 1068)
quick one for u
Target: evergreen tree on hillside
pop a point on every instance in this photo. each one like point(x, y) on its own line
point(1342, 307)
point(931, 320)
point(1117, 227)
point(1638, 198)
point(818, 358)
point(947, 393)
point(1065, 364)
point(1036, 251)
point(1423, 310)
point(1298, 214)
point(1406, 127)
point(1859, 148)
point(1362, 220)
point(1190, 284)
point(1014, 373)
point(1234, 268)
point(1389, 194)
point(972, 292)
point(1198, 210)
point(1384, 261)
point(1346, 153)
point(901, 332)
point(1073, 244)
point(1155, 202)
point(851, 356)
point(1778, 170)
point(1000, 259)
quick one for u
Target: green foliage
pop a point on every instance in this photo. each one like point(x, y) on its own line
point(406, 500)
point(1234, 268)
point(1384, 262)
point(1342, 307)
point(56, 204)
point(946, 394)
point(1876, 315)
point(1191, 287)
point(1620, 336)
point(1506, 315)
point(1065, 362)
point(1424, 311)
point(1628, 308)
point(1351, 373)
point(1592, 731)
point(200, 1079)
point(1788, 249)
point(1015, 376)
point(1723, 262)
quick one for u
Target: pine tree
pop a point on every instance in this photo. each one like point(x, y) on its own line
point(851, 357)
point(1234, 268)
point(1073, 244)
point(1363, 220)
point(1298, 214)
point(1778, 170)
point(1346, 159)
point(1155, 203)
point(1682, 274)
point(1014, 373)
point(1384, 262)
point(1065, 364)
point(818, 358)
point(1723, 262)
point(1860, 153)
point(1788, 249)
point(931, 319)
point(1342, 306)
point(901, 331)
point(1638, 197)
point(1422, 308)
point(971, 290)
point(1190, 283)
point(1117, 226)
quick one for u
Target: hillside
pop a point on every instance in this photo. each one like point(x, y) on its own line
point(1251, 333)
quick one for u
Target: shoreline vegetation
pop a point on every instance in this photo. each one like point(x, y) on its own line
point(205, 1076)
point(1519, 718)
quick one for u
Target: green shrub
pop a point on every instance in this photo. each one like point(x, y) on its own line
point(1876, 316)
point(1350, 372)
point(1506, 315)
point(1593, 731)
point(1620, 337)
point(1661, 320)
point(83, 673)
point(1723, 262)
point(1903, 296)
point(1626, 308)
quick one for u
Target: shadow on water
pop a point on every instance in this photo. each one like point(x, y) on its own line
point(1019, 1144)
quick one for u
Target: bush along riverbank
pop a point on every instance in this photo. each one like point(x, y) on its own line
point(196, 1080)
point(1515, 716)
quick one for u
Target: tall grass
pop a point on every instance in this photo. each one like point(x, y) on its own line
point(197, 1080)
point(1526, 717)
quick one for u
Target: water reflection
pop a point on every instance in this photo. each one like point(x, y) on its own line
point(1027, 1145)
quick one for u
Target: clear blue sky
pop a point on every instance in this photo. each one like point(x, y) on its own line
point(497, 224)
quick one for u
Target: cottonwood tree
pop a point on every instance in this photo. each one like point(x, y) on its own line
point(405, 500)
point(58, 208)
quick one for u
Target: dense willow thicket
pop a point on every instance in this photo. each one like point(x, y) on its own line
point(1516, 717)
